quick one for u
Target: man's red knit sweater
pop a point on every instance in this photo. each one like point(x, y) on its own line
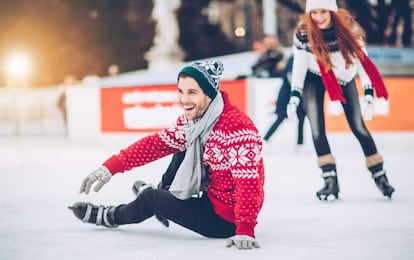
point(232, 153)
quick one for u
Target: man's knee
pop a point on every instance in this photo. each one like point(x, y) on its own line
point(149, 195)
point(156, 199)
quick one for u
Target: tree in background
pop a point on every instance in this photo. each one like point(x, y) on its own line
point(400, 11)
point(83, 38)
point(77, 37)
point(198, 38)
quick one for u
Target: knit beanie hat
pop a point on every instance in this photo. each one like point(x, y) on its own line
point(321, 4)
point(207, 74)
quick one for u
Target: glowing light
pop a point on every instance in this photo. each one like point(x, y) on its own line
point(240, 32)
point(18, 65)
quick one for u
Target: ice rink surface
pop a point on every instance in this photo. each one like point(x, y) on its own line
point(40, 178)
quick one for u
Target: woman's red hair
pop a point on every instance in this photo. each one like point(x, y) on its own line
point(348, 32)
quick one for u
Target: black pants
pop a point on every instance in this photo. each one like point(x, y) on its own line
point(279, 120)
point(196, 214)
point(282, 101)
point(313, 101)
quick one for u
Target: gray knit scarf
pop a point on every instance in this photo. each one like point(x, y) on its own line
point(191, 173)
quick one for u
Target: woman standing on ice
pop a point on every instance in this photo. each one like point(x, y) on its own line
point(329, 51)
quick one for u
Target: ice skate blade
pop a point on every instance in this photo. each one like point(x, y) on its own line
point(329, 197)
point(163, 221)
point(389, 193)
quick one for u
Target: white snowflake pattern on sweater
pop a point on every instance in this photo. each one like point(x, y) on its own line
point(233, 154)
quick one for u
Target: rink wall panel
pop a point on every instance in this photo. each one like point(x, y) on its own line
point(145, 109)
point(394, 114)
point(112, 112)
point(150, 108)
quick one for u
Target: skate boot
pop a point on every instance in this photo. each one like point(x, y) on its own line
point(138, 188)
point(98, 215)
point(375, 166)
point(381, 181)
point(330, 187)
point(327, 164)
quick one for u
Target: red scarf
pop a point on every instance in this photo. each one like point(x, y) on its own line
point(335, 91)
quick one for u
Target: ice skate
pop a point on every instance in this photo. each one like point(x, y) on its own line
point(331, 186)
point(381, 181)
point(138, 188)
point(98, 215)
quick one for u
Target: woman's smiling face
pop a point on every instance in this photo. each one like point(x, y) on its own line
point(321, 17)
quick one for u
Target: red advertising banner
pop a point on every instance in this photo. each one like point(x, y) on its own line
point(153, 107)
point(392, 115)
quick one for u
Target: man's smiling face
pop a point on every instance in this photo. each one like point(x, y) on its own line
point(192, 98)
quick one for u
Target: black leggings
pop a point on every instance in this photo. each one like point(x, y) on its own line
point(313, 100)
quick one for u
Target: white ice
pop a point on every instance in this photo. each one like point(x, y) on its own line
point(40, 178)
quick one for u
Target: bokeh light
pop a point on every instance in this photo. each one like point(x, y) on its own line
point(240, 32)
point(17, 65)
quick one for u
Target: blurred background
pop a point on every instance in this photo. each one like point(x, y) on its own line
point(52, 44)
point(79, 79)
point(72, 39)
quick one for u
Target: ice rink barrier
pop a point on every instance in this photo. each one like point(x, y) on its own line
point(96, 112)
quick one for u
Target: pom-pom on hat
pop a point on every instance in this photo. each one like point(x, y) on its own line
point(207, 74)
point(321, 4)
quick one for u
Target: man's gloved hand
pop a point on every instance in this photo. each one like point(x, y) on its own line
point(242, 242)
point(292, 108)
point(100, 175)
point(368, 107)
